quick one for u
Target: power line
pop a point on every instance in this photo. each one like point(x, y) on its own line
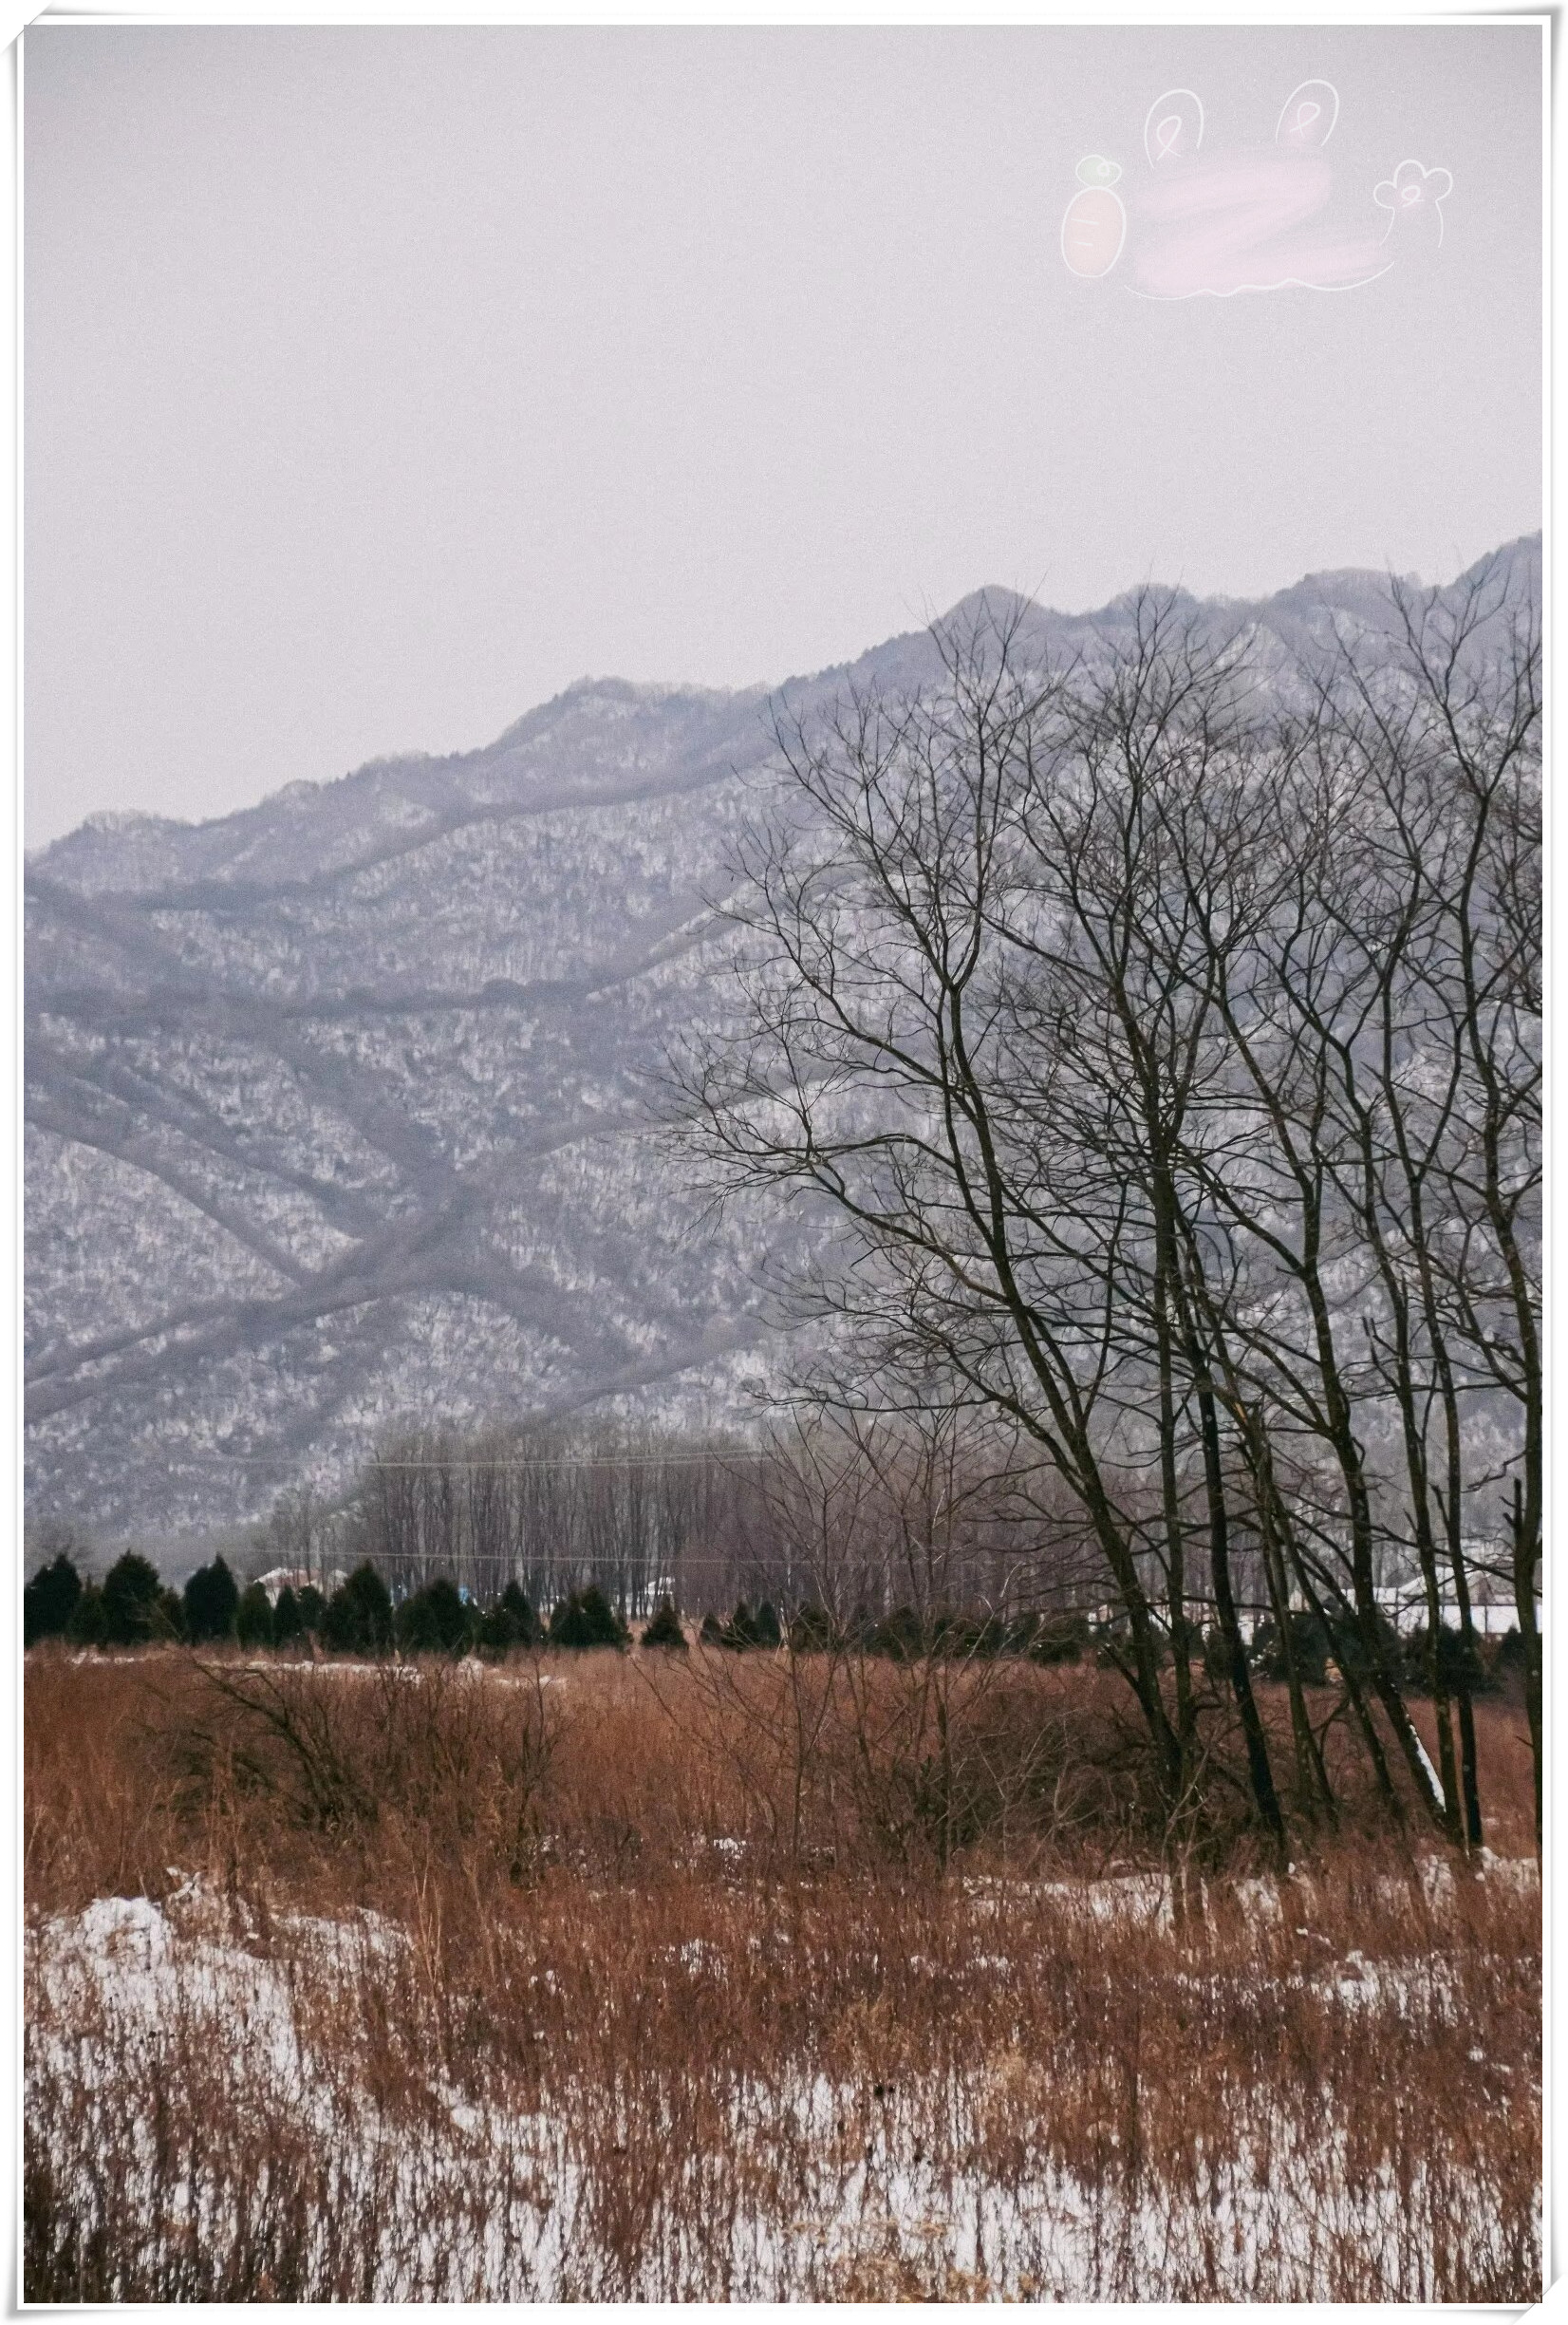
point(531, 1461)
point(607, 1461)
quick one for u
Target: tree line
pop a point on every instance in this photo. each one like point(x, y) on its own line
point(132, 1607)
point(360, 1617)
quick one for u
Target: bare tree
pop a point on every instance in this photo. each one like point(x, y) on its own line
point(1167, 1066)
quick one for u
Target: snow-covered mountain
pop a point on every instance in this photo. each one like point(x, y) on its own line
point(339, 1109)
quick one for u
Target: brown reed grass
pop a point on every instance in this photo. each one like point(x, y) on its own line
point(616, 1977)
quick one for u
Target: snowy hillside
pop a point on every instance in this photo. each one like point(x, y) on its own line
point(338, 1109)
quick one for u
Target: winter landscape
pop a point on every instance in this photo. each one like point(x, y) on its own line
point(993, 1704)
point(784, 1442)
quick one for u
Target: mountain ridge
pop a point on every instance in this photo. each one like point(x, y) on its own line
point(336, 1105)
point(1352, 586)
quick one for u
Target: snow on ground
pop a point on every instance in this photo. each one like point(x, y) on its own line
point(112, 1981)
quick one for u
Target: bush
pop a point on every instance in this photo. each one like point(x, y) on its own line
point(769, 1633)
point(212, 1602)
point(1060, 1639)
point(132, 1612)
point(969, 1635)
point(49, 1600)
point(714, 1632)
point(586, 1620)
point(434, 1621)
point(1458, 1665)
point(1459, 1662)
point(1310, 1644)
point(1349, 1649)
point(254, 1618)
point(358, 1620)
point(511, 1622)
point(1113, 1644)
point(665, 1630)
point(902, 1636)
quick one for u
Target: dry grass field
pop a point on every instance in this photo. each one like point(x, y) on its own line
point(742, 1976)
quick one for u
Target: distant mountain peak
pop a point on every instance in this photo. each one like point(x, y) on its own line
point(994, 603)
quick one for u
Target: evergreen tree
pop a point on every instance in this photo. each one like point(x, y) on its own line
point(902, 1635)
point(254, 1618)
point(812, 1631)
point(987, 1636)
point(434, 1621)
point(1309, 1643)
point(131, 1611)
point(511, 1622)
point(358, 1616)
point(740, 1630)
point(1060, 1639)
point(714, 1632)
point(288, 1623)
point(49, 1600)
point(312, 1610)
point(169, 1622)
point(1216, 1654)
point(665, 1630)
point(1348, 1645)
point(212, 1602)
point(586, 1620)
point(766, 1627)
point(1458, 1665)
point(513, 1600)
point(89, 1625)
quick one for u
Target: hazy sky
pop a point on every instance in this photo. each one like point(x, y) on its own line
point(377, 384)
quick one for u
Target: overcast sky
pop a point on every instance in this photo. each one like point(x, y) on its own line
point(377, 384)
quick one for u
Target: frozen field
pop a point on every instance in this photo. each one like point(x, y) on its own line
point(813, 2184)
